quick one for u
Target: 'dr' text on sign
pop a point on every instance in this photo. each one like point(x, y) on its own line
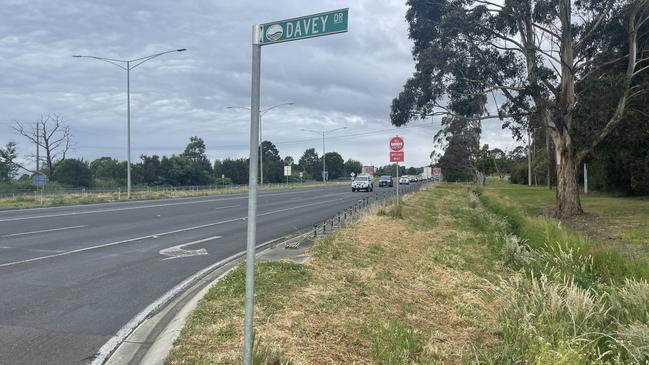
point(305, 27)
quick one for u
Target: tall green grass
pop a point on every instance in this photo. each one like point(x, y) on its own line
point(568, 302)
point(548, 235)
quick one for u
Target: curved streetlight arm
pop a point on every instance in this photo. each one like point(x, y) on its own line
point(274, 106)
point(147, 58)
point(237, 107)
point(108, 60)
point(333, 130)
point(128, 67)
point(312, 130)
point(263, 111)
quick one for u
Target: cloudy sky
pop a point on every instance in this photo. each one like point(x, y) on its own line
point(345, 80)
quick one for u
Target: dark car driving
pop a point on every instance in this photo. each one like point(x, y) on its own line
point(385, 180)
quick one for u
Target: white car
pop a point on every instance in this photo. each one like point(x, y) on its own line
point(362, 182)
point(404, 180)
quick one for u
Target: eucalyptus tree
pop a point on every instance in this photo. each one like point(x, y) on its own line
point(534, 60)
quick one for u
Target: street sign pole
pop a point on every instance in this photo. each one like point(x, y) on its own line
point(309, 26)
point(396, 154)
point(398, 183)
point(252, 195)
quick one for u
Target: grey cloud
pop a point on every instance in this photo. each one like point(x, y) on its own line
point(342, 80)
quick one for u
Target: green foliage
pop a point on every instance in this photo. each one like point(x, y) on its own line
point(466, 52)
point(396, 344)
point(273, 164)
point(459, 159)
point(73, 172)
point(335, 165)
point(8, 166)
point(107, 169)
point(151, 173)
point(352, 166)
point(565, 304)
point(236, 170)
point(311, 164)
point(391, 170)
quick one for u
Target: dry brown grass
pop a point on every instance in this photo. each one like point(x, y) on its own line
point(368, 274)
point(402, 284)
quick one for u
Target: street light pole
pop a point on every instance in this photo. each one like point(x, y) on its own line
point(128, 129)
point(323, 132)
point(261, 139)
point(324, 153)
point(128, 68)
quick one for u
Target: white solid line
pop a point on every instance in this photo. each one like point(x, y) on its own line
point(141, 207)
point(155, 235)
point(43, 231)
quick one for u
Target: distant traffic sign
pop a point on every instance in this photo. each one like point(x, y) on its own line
point(396, 156)
point(287, 170)
point(39, 180)
point(396, 144)
point(309, 26)
point(437, 170)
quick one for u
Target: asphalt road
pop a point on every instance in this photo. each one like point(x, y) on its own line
point(71, 277)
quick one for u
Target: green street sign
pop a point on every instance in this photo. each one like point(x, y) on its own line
point(309, 26)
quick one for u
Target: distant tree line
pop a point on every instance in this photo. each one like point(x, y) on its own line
point(192, 167)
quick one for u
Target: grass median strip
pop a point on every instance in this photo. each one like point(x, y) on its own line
point(384, 290)
point(445, 280)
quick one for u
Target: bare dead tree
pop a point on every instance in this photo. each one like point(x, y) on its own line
point(50, 133)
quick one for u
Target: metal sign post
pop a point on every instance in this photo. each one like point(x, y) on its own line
point(287, 172)
point(398, 183)
point(315, 25)
point(397, 155)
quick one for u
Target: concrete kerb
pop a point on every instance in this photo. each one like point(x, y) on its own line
point(149, 336)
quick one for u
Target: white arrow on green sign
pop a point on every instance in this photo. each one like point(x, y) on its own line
point(309, 26)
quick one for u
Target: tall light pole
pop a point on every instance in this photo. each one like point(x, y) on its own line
point(261, 140)
point(323, 132)
point(128, 65)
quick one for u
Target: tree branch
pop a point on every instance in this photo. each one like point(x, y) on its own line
point(592, 29)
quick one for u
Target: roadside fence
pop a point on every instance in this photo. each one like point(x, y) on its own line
point(58, 195)
point(348, 215)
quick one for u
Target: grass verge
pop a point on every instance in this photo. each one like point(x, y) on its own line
point(383, 291)
point(447, 280)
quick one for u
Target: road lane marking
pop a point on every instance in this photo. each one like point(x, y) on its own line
point(141, 207)
point(43, 231)
point(177, 251)
point(104, 352)
point(156, 235)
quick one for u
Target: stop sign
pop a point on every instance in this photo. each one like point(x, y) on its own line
point(396, 144)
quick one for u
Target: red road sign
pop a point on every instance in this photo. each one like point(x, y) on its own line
point(437, 170)
point(396, 156)
point(396, 144)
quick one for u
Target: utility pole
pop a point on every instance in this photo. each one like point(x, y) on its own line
point(324, 155)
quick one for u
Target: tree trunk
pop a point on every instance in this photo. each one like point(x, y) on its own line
point(568, 203)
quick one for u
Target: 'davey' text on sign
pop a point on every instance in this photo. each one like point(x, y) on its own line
point(305, 27)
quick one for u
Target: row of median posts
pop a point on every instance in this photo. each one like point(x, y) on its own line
point(347, 215)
